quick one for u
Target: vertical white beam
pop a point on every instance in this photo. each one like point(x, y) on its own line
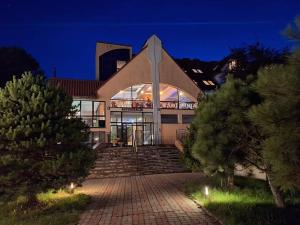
point(155, 54)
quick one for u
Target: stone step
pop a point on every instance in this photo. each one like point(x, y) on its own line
point(124, 161)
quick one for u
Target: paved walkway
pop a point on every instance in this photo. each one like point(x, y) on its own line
point(143, 200)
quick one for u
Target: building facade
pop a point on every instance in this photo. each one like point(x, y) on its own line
point(142, 100)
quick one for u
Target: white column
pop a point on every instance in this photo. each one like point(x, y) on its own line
point(155, 55)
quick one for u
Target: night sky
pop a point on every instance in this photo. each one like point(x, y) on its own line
point(64, 33)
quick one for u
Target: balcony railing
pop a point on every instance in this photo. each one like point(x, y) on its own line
point(148, 104)
point(130, 104)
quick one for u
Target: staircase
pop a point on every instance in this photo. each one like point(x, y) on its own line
point(124, 161)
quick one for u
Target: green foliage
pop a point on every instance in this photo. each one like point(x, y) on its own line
point(220, 122)
point(189, 161)
point(15, 61)
point(250, 202)
point(293, 30)
point(53, 209)
point(40, 142)
point(278, 117)
point(250, 58)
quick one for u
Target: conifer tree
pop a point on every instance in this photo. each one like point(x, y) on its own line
point(220, 122)
point(278, 116)
point(226, 136)
point(41, 143)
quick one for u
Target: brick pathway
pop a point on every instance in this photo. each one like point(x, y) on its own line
point(143, 200)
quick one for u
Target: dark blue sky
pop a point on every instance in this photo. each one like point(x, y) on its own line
point(64, 33)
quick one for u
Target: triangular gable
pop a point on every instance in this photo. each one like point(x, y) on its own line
point(136, 71)
point(172, 74)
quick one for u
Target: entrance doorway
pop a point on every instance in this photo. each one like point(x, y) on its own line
point(131, 128)
point(130, 133)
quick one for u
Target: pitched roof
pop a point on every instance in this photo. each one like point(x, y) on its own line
point(80, 88)
point(200, 72)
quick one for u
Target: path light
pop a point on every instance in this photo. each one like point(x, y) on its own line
point(72, 187)
point(206, 191)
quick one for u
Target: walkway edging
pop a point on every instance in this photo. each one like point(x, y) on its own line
point(200, 204)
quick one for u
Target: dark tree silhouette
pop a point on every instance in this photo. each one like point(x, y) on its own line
point(15, 61)
point(247, 60)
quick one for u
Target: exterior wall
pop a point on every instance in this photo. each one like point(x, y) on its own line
point(173, 75)
point(251, 171)
point(102, 48)
point(140, 70)
point(137, 71)
point(168, 131)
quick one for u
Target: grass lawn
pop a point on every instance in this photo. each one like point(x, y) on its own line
point(249, 203)
point(54, 209)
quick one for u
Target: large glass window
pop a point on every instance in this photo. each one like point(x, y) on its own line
point(91, 112)
point(76, 105)
point(140, 96)
point(168, 93)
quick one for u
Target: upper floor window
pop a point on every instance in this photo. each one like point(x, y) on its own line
point(208, 82)
point(91, 112)
point(140, 96)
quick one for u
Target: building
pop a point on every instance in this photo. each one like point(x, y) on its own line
point(146, 99)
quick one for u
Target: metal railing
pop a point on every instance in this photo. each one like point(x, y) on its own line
point(142, 104)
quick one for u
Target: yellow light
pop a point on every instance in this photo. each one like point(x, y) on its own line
point(142, 92)
point(161, 92)
point(72, 187)
point(206, 191)
point(180, 93)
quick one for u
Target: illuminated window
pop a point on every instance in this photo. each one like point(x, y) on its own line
point(208, 82)
point(205, 82)
point(195, 71)
point(200, 71)
point(140, 96)
point(168, 93)
point(120, 64)
point(91, 112)
point(232, 65)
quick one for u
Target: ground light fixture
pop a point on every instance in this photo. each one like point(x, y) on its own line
point(206, 192)
point(72, 187)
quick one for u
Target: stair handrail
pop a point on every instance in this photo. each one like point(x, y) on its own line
point(135, 142)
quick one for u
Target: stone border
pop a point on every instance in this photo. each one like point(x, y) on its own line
point(198, 203)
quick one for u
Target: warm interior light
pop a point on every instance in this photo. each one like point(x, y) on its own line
point(161, 92)
point(180, 93)
point(206, 191)
point(72, 186)
point(142, 92)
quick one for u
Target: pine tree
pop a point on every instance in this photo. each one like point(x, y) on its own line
point(278, 116)
point(226, 136)
point(220, 122)
point(40, 140)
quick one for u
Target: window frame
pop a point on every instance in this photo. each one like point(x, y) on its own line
point(92, 116)
point(173, 115)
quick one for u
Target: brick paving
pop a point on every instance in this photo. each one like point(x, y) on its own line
point(143, 200)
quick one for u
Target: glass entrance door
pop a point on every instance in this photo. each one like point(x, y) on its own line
point(128, 134)
point(130, 127)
